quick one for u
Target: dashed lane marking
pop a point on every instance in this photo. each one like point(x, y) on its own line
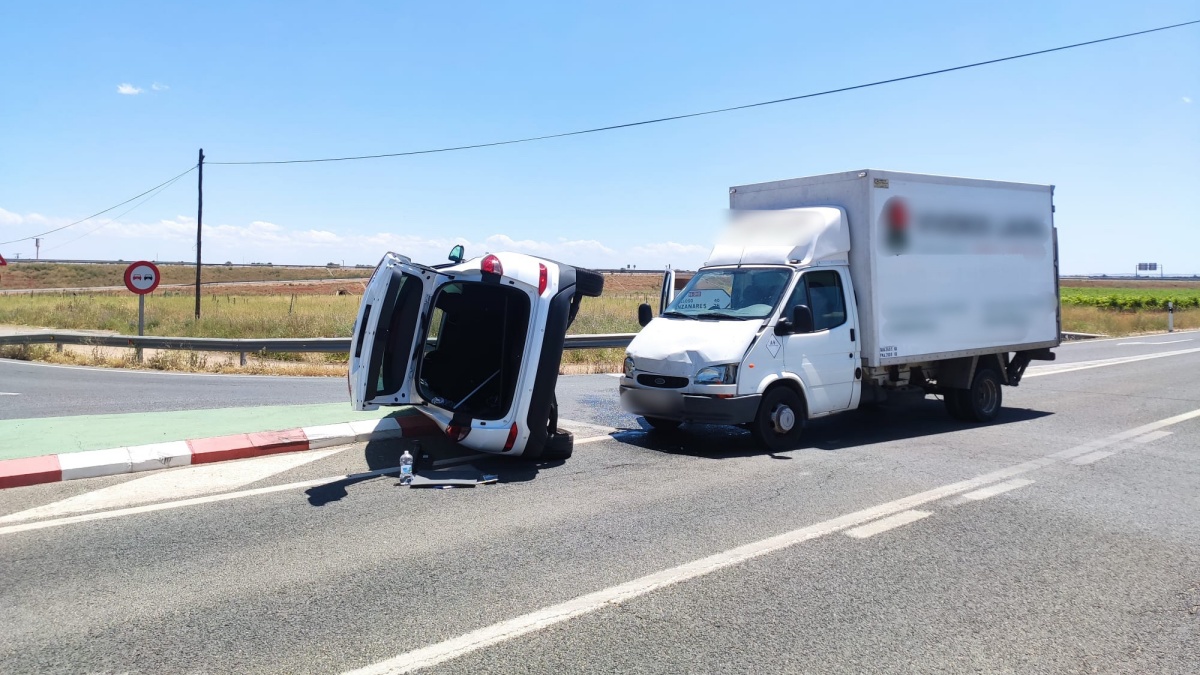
point(1092, 457)
point(997, 489)
point(889, 523)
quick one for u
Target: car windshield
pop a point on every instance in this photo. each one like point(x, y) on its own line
point(731, 293)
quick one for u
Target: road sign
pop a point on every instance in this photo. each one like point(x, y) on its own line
point(141, 277)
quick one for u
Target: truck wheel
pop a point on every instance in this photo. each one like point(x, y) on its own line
point(559, 446)
point(780, 419)
point(661, 424)
point(981, 403)
point(590, 284)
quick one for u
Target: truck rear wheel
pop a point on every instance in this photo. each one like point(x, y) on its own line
point(780, 419)
point(981, 403)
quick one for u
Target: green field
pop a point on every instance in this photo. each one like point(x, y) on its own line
point(1131, 298)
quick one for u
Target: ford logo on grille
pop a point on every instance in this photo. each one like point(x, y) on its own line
point(659, 380)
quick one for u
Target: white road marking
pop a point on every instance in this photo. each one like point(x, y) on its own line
point(1164, 342)
point(1084, 365)
point(7, 393)
point(573, 425)
point(1152, 436)
point(1093, 457)
point(999, 488)
point(889, 523)
point(185, 482)
point(525, 624)
point(592, 439)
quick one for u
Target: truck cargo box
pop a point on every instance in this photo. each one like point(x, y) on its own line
point(944, 267)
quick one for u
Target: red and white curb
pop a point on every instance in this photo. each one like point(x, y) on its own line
point(113, 461)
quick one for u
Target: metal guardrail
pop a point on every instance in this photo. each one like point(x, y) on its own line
point(245, 346)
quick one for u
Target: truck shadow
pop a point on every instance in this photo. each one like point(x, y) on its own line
point(857, 428)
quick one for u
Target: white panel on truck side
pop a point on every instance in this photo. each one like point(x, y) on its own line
point(959, 266)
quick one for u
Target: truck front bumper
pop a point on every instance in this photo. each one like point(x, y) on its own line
point(697, 409)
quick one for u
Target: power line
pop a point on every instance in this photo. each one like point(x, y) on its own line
point(100, 213)
point(117, 217)
point(721, 110)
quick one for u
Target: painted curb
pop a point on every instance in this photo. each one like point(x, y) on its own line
point(112, 461)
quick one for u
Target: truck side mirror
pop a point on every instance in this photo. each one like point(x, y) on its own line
point(645, 314)
point(802, 319)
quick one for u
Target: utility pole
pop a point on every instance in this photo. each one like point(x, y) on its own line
point(199, 218)
point(37, 243)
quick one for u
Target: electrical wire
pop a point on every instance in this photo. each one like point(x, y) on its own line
point(720, 110)
point(117, 217)
point(100, 213)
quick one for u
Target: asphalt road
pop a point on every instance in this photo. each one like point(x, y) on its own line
point(1063, 538)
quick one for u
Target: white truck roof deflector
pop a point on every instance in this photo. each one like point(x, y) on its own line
point(800, 236)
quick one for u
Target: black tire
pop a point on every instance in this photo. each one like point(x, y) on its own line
point(954, 399)
point(982, 402)
point(590, 284)
point(780, 419)
point(559, 446)
point(661, 424)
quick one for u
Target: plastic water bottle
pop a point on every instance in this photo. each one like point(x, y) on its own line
point(406, 468)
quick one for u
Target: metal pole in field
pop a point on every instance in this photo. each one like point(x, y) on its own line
point(141, 322)
point(199, 218)
point(1170, 317)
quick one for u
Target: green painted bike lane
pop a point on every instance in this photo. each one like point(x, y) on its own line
point(50, 435)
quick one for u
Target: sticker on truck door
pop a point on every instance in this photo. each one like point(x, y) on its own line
point(773, 346)
point(705, 299)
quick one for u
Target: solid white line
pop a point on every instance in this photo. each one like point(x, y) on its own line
point(999, 488)
point(592, 439)
point(1092, 457)
point(1084, 365)
point(5, 393)
point(889, 523)
point(585, 425)
point(1073, 343)
point(1164, 342)
point(150, 508)
point(534, 621)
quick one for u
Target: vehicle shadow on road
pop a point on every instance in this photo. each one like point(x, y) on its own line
point(861, 427)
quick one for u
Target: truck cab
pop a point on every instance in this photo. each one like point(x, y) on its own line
point(764, 335)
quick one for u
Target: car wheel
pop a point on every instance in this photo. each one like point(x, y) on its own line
point(984, 398)
point(590, 284)
point(661, 424)
point(559, 446)
point(780, 419)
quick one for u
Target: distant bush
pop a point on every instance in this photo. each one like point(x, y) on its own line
point(1130, 299)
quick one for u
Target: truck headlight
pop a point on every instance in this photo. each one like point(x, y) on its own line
point(628, 366)
point(726, 374)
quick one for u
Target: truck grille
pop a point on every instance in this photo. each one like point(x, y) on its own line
point(662, 381)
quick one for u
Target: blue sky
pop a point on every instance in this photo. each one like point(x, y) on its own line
point(1116, 127)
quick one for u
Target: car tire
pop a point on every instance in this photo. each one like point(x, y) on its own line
point(780, 419)
point(982, 402)
point(559, 446)
point(590, 284)
point(662, 424)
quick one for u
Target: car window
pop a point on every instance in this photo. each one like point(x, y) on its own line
point(822, 292)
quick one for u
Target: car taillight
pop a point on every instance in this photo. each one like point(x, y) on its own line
point(491, 265)
point(543, 278)
point(512, 437)
point(456, 433)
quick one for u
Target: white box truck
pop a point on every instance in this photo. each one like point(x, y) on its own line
point(831, 292)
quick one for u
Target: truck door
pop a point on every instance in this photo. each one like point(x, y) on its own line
point(668, 291)
point(389, 333)
point(827, 357)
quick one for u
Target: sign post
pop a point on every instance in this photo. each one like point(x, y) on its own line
point(141, 278)
point(1170, 317)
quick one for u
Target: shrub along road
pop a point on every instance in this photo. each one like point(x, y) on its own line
point(1061, 538)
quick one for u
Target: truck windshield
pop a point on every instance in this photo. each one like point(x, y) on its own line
point(734, 293)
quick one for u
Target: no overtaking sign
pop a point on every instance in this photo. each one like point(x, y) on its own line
point(141, 277)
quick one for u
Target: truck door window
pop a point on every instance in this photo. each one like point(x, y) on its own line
point(822, 292)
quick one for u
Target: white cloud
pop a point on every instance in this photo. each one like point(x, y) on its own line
point(158, 86)
point(1187, 99)
point(10, 218)
point(128, 89)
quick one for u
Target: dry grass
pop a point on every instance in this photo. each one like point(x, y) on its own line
point(1121, 323)
point(67, 275)
point(175, 361)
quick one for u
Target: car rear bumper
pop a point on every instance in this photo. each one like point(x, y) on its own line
point(673, 405)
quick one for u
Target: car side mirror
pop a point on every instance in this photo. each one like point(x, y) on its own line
point(457, 254)
point(645, 314)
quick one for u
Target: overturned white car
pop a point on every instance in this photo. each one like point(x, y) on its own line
point(474, 345)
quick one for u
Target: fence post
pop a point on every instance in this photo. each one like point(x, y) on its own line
point(242, 360)
point(1170, 317)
